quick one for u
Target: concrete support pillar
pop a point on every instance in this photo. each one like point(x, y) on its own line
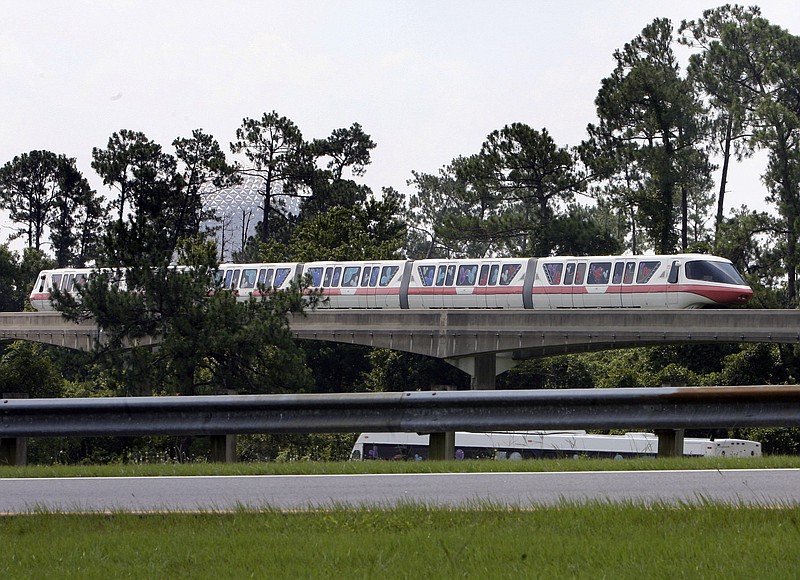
point(14, 450)
point(442, 446)
point(223, 448)
point(670, 442)
point(483, 368)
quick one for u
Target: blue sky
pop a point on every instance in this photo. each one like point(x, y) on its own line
point(427, 80)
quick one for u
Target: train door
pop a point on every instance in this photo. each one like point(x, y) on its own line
point(672, 287)
point(486, 292)
point(598, 276)
point(615, 288)
point(579, 286)
point(627, 297)
point(569, 279)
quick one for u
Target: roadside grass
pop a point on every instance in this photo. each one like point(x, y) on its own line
point(572, 540)
point(354, 467)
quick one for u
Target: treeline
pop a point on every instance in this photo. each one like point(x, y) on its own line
point(643, 179)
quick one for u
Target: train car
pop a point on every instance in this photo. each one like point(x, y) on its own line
point(542, 445)
point(648, 282)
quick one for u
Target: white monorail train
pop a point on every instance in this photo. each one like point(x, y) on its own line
point(543, 445)
point(650, 282)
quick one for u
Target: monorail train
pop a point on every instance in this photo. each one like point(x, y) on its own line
point(650, 282)
point(543, 445)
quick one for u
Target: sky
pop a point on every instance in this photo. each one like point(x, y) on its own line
point(428, 80)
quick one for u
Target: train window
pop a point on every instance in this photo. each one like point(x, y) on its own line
point(467, 275)
point(721, 272)
point(646, 271)
point(248, 278)
point(599, 273)
point(326, 280)
point(69, 281)
point(350, 277)
point(228, 274)
point(337, 275)
point(365, 276)
point(268, 279)
point(235, 279)
point(617, 277)
point(508, 273)
point(280, 276)
point(262, 273)
point(440, 275)
point(387, 274)
point(451, 275)
point(55, 281)
point(426, 274)
point(569, 273)
point(493, 274)
point(673, 273)
point(580, 273)
point(553, 273)
point(630, 267)
point(484, 276)
point(373, 278)
point(316, 276)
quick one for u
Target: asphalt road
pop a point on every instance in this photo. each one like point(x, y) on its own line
point(762, 487)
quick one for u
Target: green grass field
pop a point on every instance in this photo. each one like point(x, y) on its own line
point(570, 541)
point(346, 467)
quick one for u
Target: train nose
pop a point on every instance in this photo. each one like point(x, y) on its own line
point(745, 295)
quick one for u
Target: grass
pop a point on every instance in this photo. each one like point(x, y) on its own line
point(348, 467)
point(594, 540)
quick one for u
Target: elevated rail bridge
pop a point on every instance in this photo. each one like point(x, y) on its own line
point(482, 343)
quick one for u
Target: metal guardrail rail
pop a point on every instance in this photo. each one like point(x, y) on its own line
point(421, 412)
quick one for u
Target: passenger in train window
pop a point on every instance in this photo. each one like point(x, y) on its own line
point(235, 279)
point(426, 274)
point(373, 278)
point(493, 275)
point(484, 276)
point(316, 276)
point(387, 274)
point(351, 276)
point(646, 271)
point(451, 275)
point(598, 272)
point(553, 273)
point(337, 274)
point(365, 276)
point(580, 273)
point(569, 274)
point(617, 277)
point(248, 278)
point(508, 273)
point(440, 275)
point(630, 267)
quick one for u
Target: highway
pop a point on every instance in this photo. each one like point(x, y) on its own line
point(285, 492)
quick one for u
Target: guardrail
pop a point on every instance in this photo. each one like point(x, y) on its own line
point(421, 412)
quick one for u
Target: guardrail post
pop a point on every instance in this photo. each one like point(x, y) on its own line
point(223, 448)
point(670, 442)
point(442, 445)
point(14, 450)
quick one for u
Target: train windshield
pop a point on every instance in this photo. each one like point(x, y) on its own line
point(721, 272)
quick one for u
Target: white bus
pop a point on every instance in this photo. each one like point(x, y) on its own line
point(543, 444)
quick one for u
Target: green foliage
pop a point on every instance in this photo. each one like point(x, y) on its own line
point(25, 367)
